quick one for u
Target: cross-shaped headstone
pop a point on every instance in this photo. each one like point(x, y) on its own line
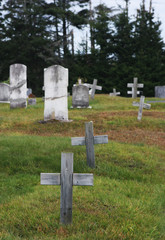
point(145, 105)
point(66, 179)
point(114, 94)
point(134, 87)
point(93, 87)
point(89, 140)
point(140, 108)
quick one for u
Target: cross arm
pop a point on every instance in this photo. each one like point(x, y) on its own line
point(82, 179)
point(100, 139)
point(50, 178)
point(75, 141)
point(140, 85)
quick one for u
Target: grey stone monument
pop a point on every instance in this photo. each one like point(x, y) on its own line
point(4, 93)
point(18, 86)
point(160, 91)
point(135, 85)
point(80, 96)
point(56, 101)
point(67, 179)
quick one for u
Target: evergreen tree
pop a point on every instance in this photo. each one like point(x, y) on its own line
point(148, 50)
point(123, 50)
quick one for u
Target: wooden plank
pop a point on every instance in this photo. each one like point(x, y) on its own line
point(140, 85)
point(89, 144)
point(50, 178)
point(98, 87)
point(100, 139)
point(80, 179)
point(66, 188)
point(134, 89)
point(77, 141)
point(140, 108)
point(130, 85)
point(129, 92)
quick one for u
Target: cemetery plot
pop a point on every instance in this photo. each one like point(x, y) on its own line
point(66, 179)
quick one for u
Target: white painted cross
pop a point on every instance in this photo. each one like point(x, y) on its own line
point(114, 94)
point(134, 87)
point(89, 140)
point(93, 87)
point(140, 108)
point(66, 179)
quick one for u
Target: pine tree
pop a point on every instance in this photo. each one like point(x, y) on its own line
point(148, 49)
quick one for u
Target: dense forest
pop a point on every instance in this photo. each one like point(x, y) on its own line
point(39, 33)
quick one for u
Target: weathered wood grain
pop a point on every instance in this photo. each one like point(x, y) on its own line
point(50, 178)
point(82, 179)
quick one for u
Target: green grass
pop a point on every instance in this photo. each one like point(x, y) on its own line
point(127, 200)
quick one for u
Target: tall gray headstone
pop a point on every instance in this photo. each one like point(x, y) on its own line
point(80, 96)
point(160, 91)
point(18, 86)
point(4, 92)
point(56, 101)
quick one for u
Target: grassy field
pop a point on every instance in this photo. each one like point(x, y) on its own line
point(127, 200)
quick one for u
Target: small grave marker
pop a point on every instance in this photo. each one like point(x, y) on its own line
point(134, 87)
point(4, 93)
point(114, 94)
point(141, 108)
point(89, 140)
point(93, 87)
point(66, 179)
point(160, 91)
point(145, 105)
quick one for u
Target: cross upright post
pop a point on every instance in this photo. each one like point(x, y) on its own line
point(89, 140)
point(67, 179)
point(140, 108)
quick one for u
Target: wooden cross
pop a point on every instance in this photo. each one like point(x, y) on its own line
point(145, 105)
point(140, 108)
point(66, 179)
point(93, 87)
point(89, 140)
point(135, 87)
point(114, 94)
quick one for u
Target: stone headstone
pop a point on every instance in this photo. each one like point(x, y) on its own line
point(80, 96)
point(56, 101)
point(160, 91)
point(18, 86)
point(4, 92)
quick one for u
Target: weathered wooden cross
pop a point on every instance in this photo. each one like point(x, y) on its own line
point(134, 87)
point(145, 105)
point(140, 108)
point(89, 140)
point(66, 179)
point(114, 94)
point(93, 87)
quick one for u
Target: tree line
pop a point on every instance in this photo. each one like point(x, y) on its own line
point(39, 33)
